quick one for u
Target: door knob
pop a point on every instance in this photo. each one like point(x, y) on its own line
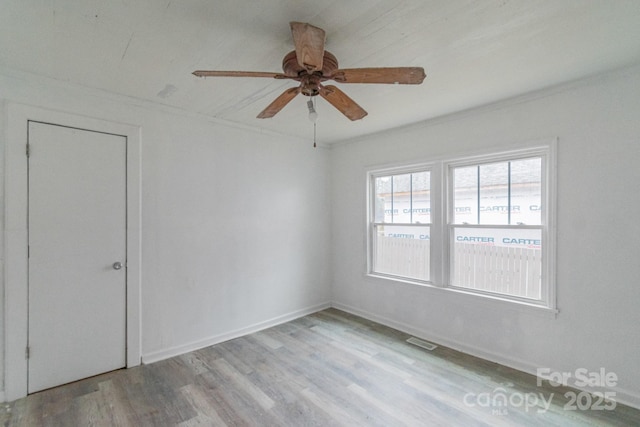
point(117, 265)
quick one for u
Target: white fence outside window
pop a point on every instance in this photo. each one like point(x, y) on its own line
point(514, 271)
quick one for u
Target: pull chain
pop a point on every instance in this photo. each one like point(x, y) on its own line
point(313, 116)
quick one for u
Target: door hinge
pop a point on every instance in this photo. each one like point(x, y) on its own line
point(28, 150)
point(27, 352)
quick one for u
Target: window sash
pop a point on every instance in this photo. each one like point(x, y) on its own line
point(502, 183)
point(494, 260)
point(403, 256)
point(404, 199)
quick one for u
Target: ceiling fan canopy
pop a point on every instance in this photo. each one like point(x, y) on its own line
point(311, 65)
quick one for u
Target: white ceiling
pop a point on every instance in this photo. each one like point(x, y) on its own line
point(474, 51)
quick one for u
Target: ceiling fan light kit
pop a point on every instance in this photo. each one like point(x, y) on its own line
point(311, 65)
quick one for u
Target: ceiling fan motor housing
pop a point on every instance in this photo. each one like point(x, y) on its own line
point(310, 81)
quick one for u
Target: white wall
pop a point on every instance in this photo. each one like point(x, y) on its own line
point(3, 128)
point(597, 123)
point(235, 223)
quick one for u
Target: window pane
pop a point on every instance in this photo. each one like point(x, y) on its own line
point(494, 193)
point(526, 191)
point(421, 198)
point(465, 203)
point(402, 251)
point(383, 204)
point(499, 260)
point(402, 198)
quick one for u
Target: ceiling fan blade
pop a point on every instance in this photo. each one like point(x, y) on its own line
point(309, 41)
point(342, 102)
point(399, 75)
point(206, 73)
point(279, 103)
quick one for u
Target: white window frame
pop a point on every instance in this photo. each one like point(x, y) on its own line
point(372, 224)
point(442, 226)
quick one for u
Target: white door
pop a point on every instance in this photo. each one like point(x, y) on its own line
point(77, 234)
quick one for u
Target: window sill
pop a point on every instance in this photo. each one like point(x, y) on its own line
point(467, 297)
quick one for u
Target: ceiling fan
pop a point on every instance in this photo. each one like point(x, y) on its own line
point(311, 65)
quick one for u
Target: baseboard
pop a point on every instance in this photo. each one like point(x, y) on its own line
point(623, 396)
point(156, 356)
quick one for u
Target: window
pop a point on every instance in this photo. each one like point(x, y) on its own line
point(401, 224)
point(493, 238)
point(496, 227)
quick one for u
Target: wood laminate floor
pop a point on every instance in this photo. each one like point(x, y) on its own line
point(326, 369)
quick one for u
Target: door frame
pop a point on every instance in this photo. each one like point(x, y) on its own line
point(16, 267)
